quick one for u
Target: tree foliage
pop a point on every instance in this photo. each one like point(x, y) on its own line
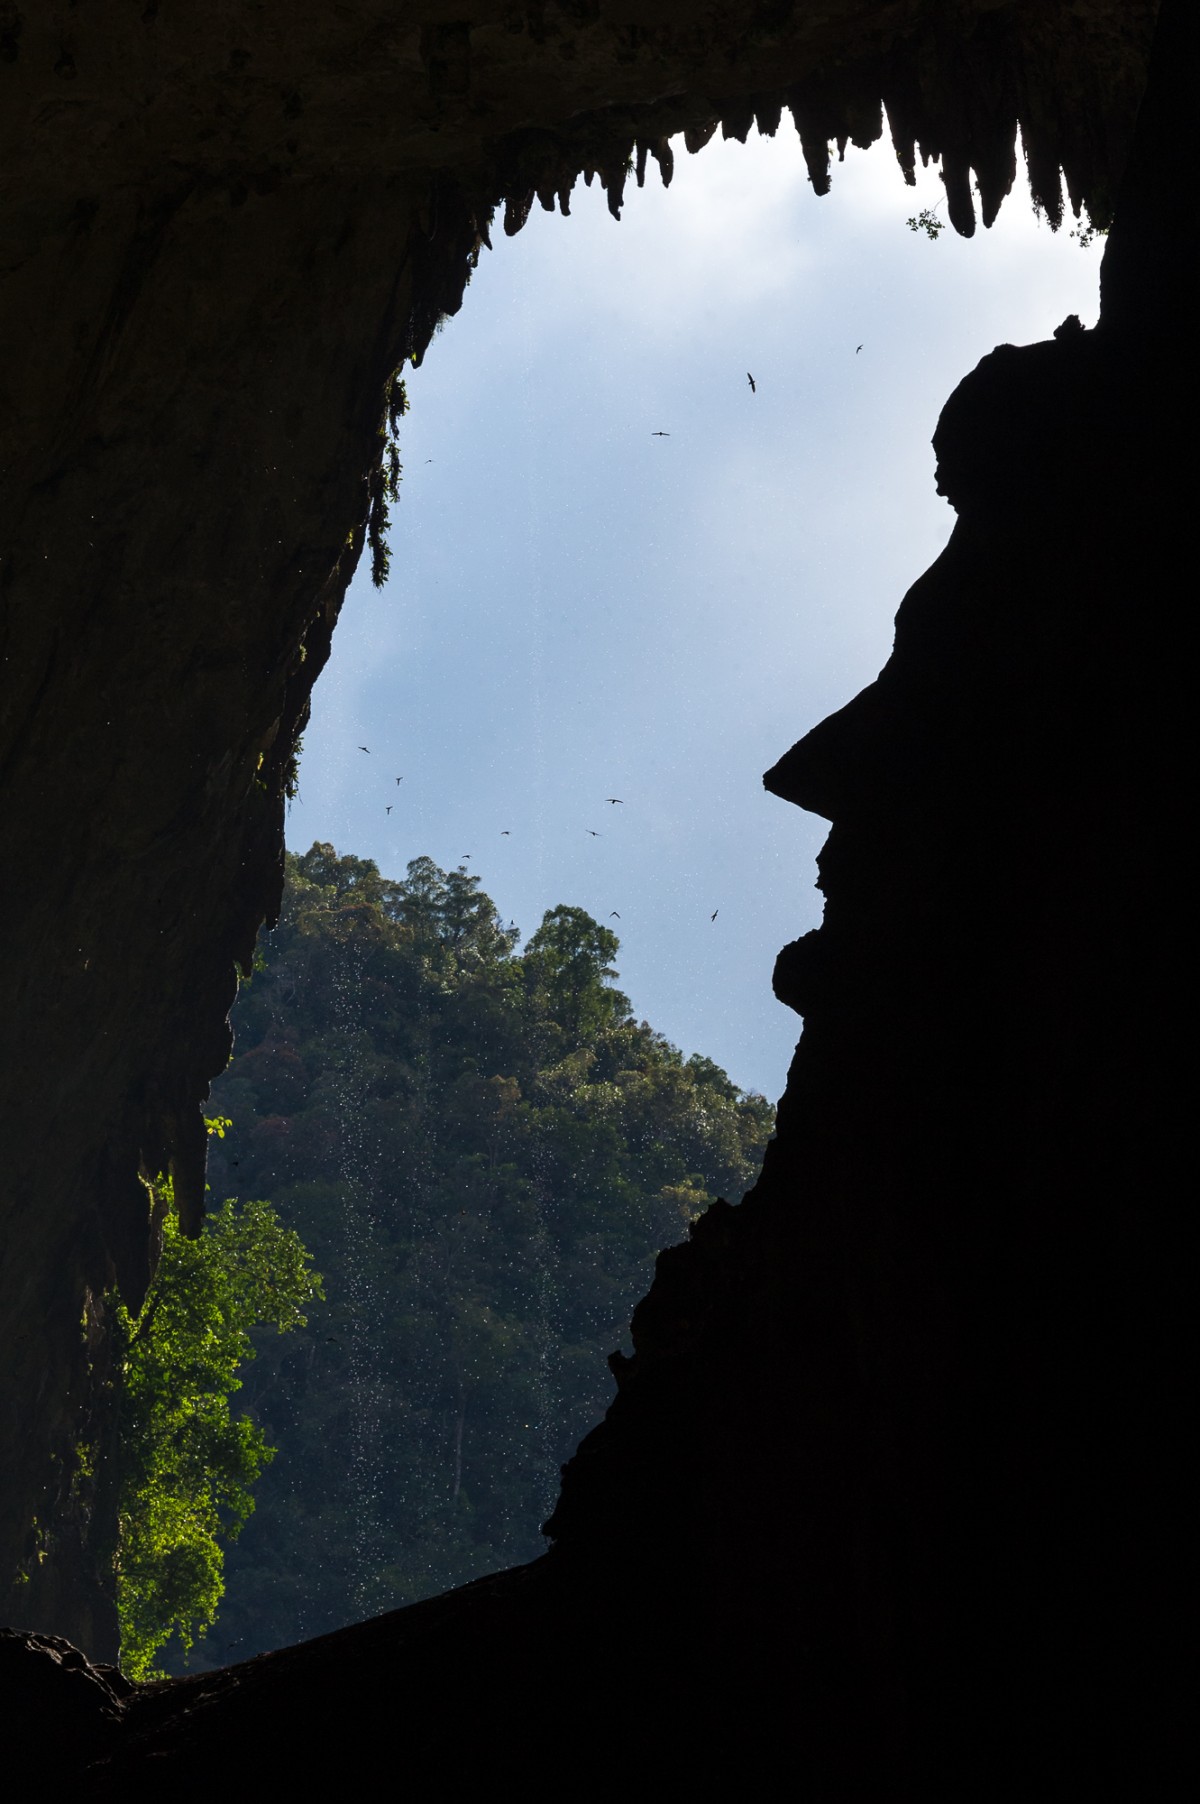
point(186, 1462)
point(928, 222)
point(484, 1150)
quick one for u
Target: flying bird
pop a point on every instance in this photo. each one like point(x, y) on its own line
point(857, 349)
point(592, 831)
point(615, 800)
point(366, 749)
point(388, 809)
point(752, 382)
point(613, 915)
point(714, 914)
point(505, 833)
point(660, 435)
point(399, 779)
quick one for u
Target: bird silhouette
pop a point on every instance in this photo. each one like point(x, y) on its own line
point(399, 779)
point(752, 382)
point(660, 435)
point(388, 809)
point(592, 831)
point(615, 800)
point(505, 833)
point(714, 914)
point(365, 748)
point(613, 915)
point(857, 349)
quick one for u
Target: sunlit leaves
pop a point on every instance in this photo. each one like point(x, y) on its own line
point(187, 1463)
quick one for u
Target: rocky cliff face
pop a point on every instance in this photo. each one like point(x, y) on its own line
point(893, 1445)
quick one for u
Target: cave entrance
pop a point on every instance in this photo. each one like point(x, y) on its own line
point(619, 570)
point(579, 609)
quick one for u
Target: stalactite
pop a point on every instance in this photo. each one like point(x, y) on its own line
point(768, 111)
point(1045, 176)
point(738, 120)
point(960, 208)
point(903, 103)
point(814, 147)
point(996, 169)
point(516, 211)
point(664, 156)
point(613, 177)
point(864, 118)
point(1075, 188)
point(906, 153)
point(818, 119)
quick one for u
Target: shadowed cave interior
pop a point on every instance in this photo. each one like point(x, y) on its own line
point(892, 1486)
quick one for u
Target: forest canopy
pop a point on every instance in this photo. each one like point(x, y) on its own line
point(482, 1150)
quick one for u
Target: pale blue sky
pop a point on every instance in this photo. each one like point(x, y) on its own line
point(578, 609)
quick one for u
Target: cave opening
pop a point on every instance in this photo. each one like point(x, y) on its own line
point(576, 606)
point(607, 546)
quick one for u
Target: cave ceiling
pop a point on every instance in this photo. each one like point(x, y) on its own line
point(520, 99)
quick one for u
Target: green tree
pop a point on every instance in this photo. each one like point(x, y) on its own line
point(484, 1151)
point(186, 1462)
point(568, 967)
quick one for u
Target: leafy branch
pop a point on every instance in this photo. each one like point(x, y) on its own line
point(186, 1464)
point(928, 222)
point(385, 478)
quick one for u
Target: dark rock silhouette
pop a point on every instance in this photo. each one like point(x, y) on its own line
point(892, 1497)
